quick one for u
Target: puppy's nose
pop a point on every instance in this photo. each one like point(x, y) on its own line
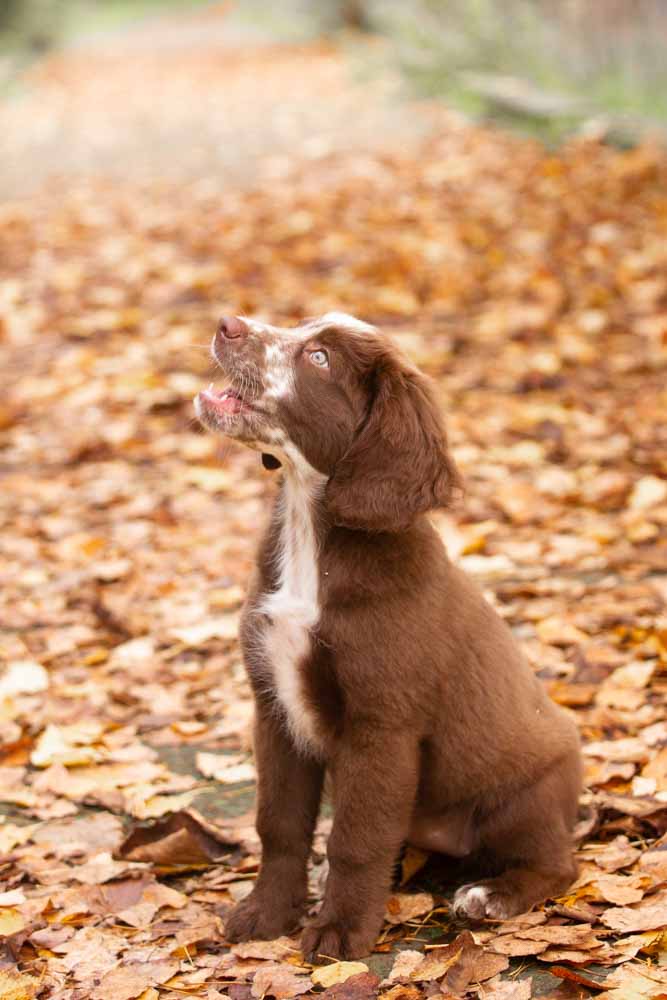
point(232, 328)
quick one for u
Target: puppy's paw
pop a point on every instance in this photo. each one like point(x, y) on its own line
point(259, 918)
point(486, 899)
point(333, 939)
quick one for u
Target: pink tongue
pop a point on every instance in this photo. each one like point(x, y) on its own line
point(230, 404)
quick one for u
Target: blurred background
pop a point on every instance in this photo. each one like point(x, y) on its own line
point(485, 180)
point(550, 68)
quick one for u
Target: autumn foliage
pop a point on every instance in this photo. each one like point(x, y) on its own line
point(531, 285)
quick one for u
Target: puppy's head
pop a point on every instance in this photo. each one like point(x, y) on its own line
point(334, 398)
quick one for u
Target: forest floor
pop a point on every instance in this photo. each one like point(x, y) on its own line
point(150, 187)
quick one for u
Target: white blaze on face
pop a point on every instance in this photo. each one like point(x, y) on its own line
point(279, 352)
point(346, 321)
point(279, 369)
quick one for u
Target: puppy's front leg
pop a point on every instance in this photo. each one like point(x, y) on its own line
point(289, 787)
point(374, 786)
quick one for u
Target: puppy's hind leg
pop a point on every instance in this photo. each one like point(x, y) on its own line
point(531, 834)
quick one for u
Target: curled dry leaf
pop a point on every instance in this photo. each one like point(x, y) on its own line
point(457, 964)
point(185, 838)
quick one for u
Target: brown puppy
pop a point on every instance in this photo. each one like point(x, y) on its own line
point(371, 655)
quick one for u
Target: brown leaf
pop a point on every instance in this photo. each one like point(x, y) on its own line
point(208, 928)
point(279, 981)
point(402, 907)
point(153, 897)
point(127, 981)
point(619, 853)
point(513, 946)
point(574, 976)
point(402, 992)
point(635, 982)
point(454, 964)
point(486, 965)
point(277, 950)
point(510, 990)
point(655, 864)
point(362, 986)
point(405, 963)
point(185, 838)
point(649, 915)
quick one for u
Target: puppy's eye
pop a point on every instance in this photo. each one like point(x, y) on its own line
point(319, 358)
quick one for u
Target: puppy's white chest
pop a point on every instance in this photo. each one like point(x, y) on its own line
point(287, 644)
point(293, 611)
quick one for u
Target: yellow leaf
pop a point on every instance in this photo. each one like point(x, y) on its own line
point(16, 986)
point(337, 972)
point(11, 921)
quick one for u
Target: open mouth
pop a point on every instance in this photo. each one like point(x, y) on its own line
point(225, 402)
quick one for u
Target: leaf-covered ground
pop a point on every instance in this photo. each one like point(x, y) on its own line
point(532, 286)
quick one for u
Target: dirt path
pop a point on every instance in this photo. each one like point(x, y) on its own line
point(197, 96)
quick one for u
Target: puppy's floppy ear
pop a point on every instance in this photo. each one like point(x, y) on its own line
point(398, 466)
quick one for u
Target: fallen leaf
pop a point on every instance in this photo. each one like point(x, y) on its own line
point(518, 989)
point(362, 986)
point(403, 907)
point(222, 627)
point(647, 492)
point(128, 981)
point(454, 965)
point(15, 985)
point(185, 838)
point(158, 805)
point(633, 982)
point(277, 950)
point(487, 964)
point(405, 963)
point(337, 972)
point(559, 632)
point(13, 897)
point(648, 915)
point(279, 981)
point(402, 992)
point(11, 921)
point(23, 677)
point(413, 860)
point(68, 745)
point(228, 769)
